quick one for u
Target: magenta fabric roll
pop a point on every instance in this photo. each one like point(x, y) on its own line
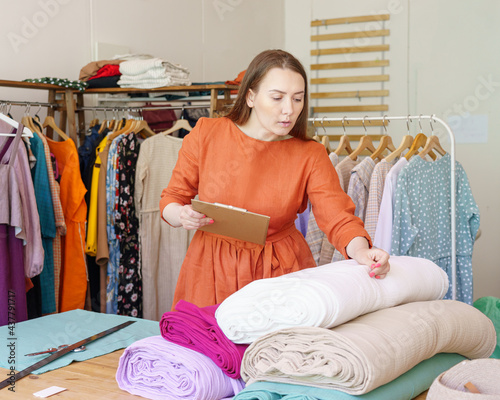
point(197, 329)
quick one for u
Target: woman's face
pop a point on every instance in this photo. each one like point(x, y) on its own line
point(276, 104)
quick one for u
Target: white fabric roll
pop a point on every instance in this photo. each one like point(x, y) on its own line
point(326, 296)
point(372, 350)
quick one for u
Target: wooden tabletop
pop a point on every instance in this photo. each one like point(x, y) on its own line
point(90, 379)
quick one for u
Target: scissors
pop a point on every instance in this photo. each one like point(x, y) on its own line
point(54, 349)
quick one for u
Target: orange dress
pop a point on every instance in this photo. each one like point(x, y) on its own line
point(73, 287)
point(221, 164)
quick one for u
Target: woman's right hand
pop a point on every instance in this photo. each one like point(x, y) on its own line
point(183, 215)
point(191, 219)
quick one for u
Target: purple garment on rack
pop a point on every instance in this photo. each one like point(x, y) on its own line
point(158, 369)
point(197, 329)
point(13, 307)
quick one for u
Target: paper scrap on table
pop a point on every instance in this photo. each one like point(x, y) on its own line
point(49, 391)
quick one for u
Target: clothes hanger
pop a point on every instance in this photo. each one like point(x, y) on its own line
point(315, 136)
point(365, 143)
point(143, 128)
point(181, 123)
point(325, 140)
point(406, 143)
point(432, 144)
point(385, 143)
point(418, 143)
point(50, 122)
point(130, 125)
point(104, 123)
point(26, 131)
point(344, 145)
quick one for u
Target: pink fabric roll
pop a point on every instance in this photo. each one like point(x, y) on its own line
point(197, 329)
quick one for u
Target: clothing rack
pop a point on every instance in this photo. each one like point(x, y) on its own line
point(136, 108)
point(408, 119)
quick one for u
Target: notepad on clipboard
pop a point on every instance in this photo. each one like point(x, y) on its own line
point(234, 222)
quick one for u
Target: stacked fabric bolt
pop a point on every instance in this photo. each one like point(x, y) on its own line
point(192, 359)
point(326, 296)
point(371, 350)
point(152, 73)
point(158, 369)
point(196, 328)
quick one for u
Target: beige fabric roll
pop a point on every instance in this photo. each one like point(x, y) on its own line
point(484, 374)
point(371, 350)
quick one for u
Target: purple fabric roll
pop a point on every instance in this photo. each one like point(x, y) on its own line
point(197, 329)
point(155, 368)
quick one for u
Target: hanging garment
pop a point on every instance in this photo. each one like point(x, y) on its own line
point(383, 231)
point(74, 271)
point(31, 234)
point(359, 185)
point(129, 295)
point(217, 266)
point(113, 244)
point(372, 350)
point(59, 219)
point(315, 238)
point(45, 207)
point(375, 193)
point(13, 307)
point(162, 247)
point(422, 222)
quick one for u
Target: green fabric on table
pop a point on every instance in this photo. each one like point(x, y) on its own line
point(490, 306)
point(53, 330)
point(407, 386)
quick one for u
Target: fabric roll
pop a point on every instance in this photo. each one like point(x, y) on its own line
point(196, 328)
point(326, 296)
point(407, 386)
point(371, 350)
point(158, 369)
point(483, 374)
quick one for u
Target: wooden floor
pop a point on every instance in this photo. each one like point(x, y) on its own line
point(93, 379)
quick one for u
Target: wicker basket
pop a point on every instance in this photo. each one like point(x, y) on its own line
point(484, 374)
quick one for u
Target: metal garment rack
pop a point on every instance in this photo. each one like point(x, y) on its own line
point(431, 118)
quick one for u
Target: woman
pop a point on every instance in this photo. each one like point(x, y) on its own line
point(260, 159)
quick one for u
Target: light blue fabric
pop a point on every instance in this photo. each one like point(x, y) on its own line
point(407, 386)
point(70, 327)
point(422, 221)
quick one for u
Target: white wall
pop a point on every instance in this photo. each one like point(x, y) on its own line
point(214, 39)
point(445, 61)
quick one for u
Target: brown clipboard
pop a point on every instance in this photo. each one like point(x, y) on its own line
point(234, 222)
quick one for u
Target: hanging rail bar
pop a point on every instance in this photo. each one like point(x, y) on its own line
point(121, 108)
point(29, 103)
point(452, 175)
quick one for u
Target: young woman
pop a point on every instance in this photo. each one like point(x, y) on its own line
point(259, 158)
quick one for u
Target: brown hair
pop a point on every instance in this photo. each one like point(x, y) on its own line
point(258, 68)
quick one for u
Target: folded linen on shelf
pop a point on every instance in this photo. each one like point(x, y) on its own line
point(407, 386)
point(151, 73)
point(326, 296)
point(158, 369)
point(196, 328)
point(372, 350)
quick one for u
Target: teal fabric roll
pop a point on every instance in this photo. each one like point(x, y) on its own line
point(407, 386)
point(67, 328)
point(490, 306)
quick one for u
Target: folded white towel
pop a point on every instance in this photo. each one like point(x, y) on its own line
point(326, 296)
point(372, 350)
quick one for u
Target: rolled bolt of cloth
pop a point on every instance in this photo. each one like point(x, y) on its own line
point(484, 374)
point(372, 350)
point(326, 296)
point(155, 368)
point(196, 328)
